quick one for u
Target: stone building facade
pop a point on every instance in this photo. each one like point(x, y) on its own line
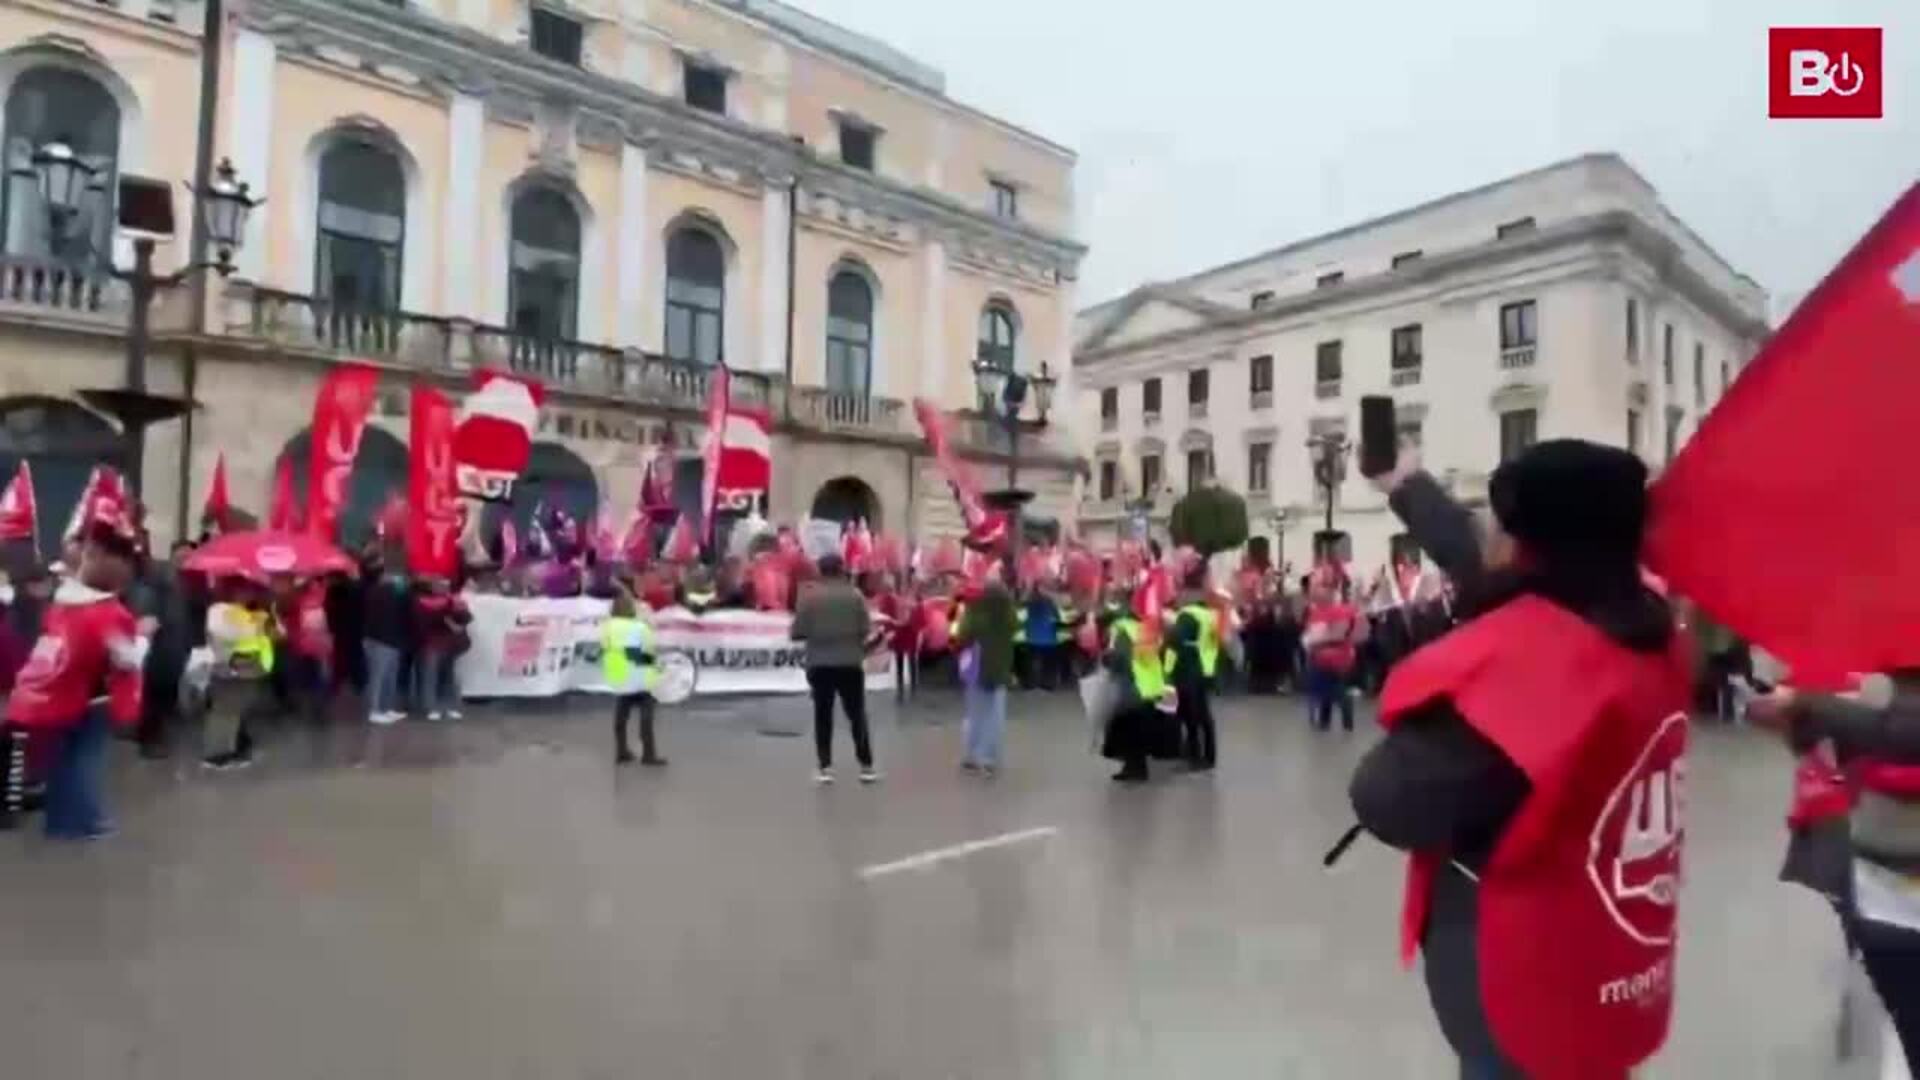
point(611, 195)
point(1564, 302)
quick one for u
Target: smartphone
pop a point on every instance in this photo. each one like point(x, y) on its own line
point(1379, 436)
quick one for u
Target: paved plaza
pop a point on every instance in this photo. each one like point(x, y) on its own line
point(494, 900)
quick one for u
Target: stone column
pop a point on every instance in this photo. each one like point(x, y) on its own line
point(250, 134)
point(460, 251)
point(631, 244)
point(934, 361)
point(773, 276)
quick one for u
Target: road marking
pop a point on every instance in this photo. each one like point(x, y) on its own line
point(957, 851)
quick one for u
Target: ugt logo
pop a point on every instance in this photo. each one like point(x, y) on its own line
point(1824, 73)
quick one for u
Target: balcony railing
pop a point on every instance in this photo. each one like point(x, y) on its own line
point(1326, 388)
point(1518, 357)
point(834, 410)
point(1263, 399)
point(1406, 376)
point(1150, 418)
point(1197, 409)
point(1109, 422)
point(430, 343)
point(34, 285)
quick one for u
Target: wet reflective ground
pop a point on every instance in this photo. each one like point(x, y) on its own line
point(494, 900)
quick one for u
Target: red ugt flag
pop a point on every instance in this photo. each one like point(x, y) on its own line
point(433, 523)
point(1791, 517)
point(339, 419)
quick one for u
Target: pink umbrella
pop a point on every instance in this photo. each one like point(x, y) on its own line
point(266, 553)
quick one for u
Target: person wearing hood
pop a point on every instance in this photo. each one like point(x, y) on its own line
point(1534, 770)
point(83, 677)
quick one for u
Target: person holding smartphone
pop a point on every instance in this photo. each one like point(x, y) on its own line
point(1534, 769)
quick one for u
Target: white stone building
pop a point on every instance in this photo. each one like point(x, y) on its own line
point(1563, 302)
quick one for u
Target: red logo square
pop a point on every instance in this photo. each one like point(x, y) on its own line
point(1824, 73)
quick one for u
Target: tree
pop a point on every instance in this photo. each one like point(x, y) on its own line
point(1210, 520)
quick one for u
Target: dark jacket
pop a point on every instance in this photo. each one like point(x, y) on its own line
point(1436, 784)
point(989, 622)
point(832, 619)
point(387, 611)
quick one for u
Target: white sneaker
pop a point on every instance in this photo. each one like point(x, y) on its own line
point(436, 716)
point(823, 777)
point(455, 714)
point(869, 775)
point(384, 719)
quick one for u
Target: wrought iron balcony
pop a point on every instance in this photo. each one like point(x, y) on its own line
point(1406, 376)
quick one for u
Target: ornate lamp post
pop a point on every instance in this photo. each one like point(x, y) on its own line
point(1004, 393)
point(222, 206)
point(1329, 452)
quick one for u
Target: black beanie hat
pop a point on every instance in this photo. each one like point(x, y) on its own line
point(1567, 500)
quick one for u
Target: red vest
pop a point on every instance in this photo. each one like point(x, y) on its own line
point(1578, 901)
point(1341, 654)
point(73, 663)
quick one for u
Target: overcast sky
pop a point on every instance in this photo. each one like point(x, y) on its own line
point(1211, 129)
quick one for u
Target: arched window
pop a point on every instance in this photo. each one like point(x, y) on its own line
point(543, 284)
point(998, 336)
point(849, 334)
point(46, 104)
point(363, 221)
point(696, 296)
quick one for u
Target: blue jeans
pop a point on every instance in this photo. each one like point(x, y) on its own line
point(76, 777)
point(435, 686)
point(1327, 691)
point(383, 678)
point(985, 728)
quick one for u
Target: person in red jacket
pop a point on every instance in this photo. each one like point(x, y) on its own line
point(83, 675)
point(1334, 632)
point(1534, 769)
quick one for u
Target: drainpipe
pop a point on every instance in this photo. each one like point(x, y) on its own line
point(793, 233)
point(212, 38)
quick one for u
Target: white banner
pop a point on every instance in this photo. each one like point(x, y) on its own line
point(532, 647)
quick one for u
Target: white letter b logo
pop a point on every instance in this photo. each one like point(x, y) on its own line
point(1809, 73)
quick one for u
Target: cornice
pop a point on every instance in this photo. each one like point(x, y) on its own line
point(452, 58)
point(1620, 228)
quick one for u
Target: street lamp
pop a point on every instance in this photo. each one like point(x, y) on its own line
point(224, 206)
point(1004, 394)
point(1329, 451)
point(65, 178)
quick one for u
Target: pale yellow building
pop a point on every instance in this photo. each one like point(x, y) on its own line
point(598, 192)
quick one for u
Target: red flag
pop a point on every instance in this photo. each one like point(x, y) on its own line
point(433, 528)
point(984, 529)
point(718, 393)
point(494, 437)
point(103, 493)
point(19, 516)
point(746, 458)
point(339, 418)
point(219, 507)
point(283, 511)
point(1788, 517)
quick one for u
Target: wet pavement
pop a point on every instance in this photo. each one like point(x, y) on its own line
point(494, 899)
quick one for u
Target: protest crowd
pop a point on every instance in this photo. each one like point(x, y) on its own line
point(1536, 679)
